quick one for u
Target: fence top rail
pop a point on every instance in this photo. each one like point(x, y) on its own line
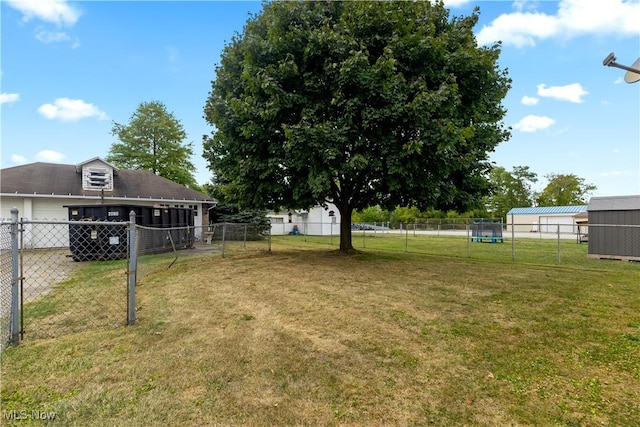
point(613, 225)
point(147, 227)
point(70, 222)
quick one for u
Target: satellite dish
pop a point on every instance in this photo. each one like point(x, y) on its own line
point(633, 76)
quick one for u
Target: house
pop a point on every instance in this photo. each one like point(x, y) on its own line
point(545, 219)
point(41, 191)
point(614, 227)
point(317, 221)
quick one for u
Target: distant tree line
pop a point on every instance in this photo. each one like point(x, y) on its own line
point(509, 189)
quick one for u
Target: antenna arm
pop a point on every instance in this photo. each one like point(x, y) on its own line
point(624, 67)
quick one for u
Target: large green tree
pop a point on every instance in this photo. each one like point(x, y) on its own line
point(356, 103)
point(510, 189)
point(153, 141)
point(565, 190)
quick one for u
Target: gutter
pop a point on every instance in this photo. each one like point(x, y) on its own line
point(99, 198)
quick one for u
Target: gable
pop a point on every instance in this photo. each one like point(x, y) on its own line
point(97, 175)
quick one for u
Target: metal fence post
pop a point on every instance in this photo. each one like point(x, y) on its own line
point(244, 242)
point(15, 279)
point(406, 239)
point(132, 269)
point(224, 232)
point(513, 240)
point(331, 234)
point(468, 242)
point(269, 239)
point(558, 243)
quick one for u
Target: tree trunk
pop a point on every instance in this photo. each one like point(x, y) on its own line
point(345, 228)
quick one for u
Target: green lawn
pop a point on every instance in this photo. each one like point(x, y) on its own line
point(306, 336)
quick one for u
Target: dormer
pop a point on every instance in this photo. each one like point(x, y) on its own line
point(97, 175)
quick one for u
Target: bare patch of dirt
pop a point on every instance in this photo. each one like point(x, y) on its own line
point(42, 269)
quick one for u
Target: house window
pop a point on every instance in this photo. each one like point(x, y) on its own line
point(97, 179)
point(277, 220)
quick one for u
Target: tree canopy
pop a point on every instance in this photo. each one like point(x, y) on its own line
point(510, 189)
point(358, 104)
point(565, 190)
point(153, 141)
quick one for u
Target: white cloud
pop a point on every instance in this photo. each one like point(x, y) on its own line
point(50, 36)
point(71, 110)
point(618, 81)
point(54, 11)
point(17, 159)
point(528, 100)
point(518, 29)
point(533, 123)
point(572, 93)
point(7, 98)
point(49, 156)
point(572, 19)
point(47, 37)
point(521, 5)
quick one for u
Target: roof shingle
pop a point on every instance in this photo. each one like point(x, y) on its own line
point(58, 179)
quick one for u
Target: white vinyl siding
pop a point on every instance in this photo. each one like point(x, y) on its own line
point(97, 175)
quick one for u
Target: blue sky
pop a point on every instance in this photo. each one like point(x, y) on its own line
point(71, 69)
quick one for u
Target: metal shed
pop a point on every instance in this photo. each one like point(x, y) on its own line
point(614, 227)
point(544, 219)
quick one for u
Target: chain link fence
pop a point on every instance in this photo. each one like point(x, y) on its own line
point(5, 283)
point(482, 239)
point(72, 276)
point(59, 277)
point(232, 238)
point(161, 248)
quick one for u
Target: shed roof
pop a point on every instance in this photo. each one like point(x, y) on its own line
point(614, 203)
point(548, 210)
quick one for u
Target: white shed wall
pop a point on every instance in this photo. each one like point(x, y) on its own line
point(536, 223)
point(315, 222)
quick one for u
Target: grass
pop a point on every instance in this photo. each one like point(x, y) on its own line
point(306, 336)
point(94, 297)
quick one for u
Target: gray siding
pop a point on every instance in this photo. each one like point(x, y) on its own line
point(610, 236)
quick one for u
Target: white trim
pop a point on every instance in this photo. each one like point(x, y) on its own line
point(98, 197)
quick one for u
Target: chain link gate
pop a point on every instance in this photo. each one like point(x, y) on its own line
point(59, 277)
point(5, 283)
